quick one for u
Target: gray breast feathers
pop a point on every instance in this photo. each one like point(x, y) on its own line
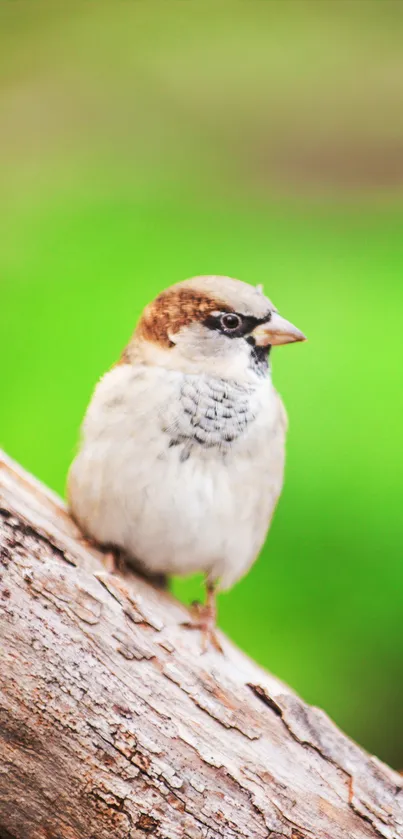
point(213, 412)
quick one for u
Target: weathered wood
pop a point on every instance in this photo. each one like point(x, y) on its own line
point(112, 724)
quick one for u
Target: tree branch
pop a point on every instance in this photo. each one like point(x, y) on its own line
point(112, 724)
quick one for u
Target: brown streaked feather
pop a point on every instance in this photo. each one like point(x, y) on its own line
point(173, 309)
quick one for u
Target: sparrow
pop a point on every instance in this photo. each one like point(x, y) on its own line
point(181, 459)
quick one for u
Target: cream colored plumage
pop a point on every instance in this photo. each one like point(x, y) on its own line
point(182, 451)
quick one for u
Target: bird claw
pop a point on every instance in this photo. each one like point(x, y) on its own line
point(204, 620)
point(113, 559)
point(114, 562)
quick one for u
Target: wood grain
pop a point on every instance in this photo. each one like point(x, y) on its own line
point(112, 724)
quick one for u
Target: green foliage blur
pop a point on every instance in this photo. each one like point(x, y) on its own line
point(143, 143)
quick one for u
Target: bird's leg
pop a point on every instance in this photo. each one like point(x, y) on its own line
point(115, 562)
point(113, 557)
point(204, 618)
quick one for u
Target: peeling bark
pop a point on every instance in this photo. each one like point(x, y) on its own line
point(112, 724)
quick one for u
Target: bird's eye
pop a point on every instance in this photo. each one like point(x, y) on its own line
point(230, 322)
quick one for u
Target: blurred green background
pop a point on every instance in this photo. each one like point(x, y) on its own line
point(142, 143)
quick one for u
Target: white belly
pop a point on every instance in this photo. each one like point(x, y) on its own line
point(178, 505)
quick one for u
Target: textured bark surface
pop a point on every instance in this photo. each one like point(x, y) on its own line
point(112, 724)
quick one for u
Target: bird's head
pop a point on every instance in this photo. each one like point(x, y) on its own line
point(211, 324)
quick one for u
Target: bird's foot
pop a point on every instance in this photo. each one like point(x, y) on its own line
point(204, 619)
point(113, 558)
point(114, 562)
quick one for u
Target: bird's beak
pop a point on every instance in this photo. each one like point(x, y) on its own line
point(276, 331)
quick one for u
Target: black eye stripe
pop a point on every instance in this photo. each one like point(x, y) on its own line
point(247, 323)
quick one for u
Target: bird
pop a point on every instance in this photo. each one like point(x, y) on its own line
point(181, 459)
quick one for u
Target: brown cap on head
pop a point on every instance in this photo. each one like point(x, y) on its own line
point(174, 308)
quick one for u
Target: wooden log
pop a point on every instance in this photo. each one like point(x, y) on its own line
point(113, 724)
